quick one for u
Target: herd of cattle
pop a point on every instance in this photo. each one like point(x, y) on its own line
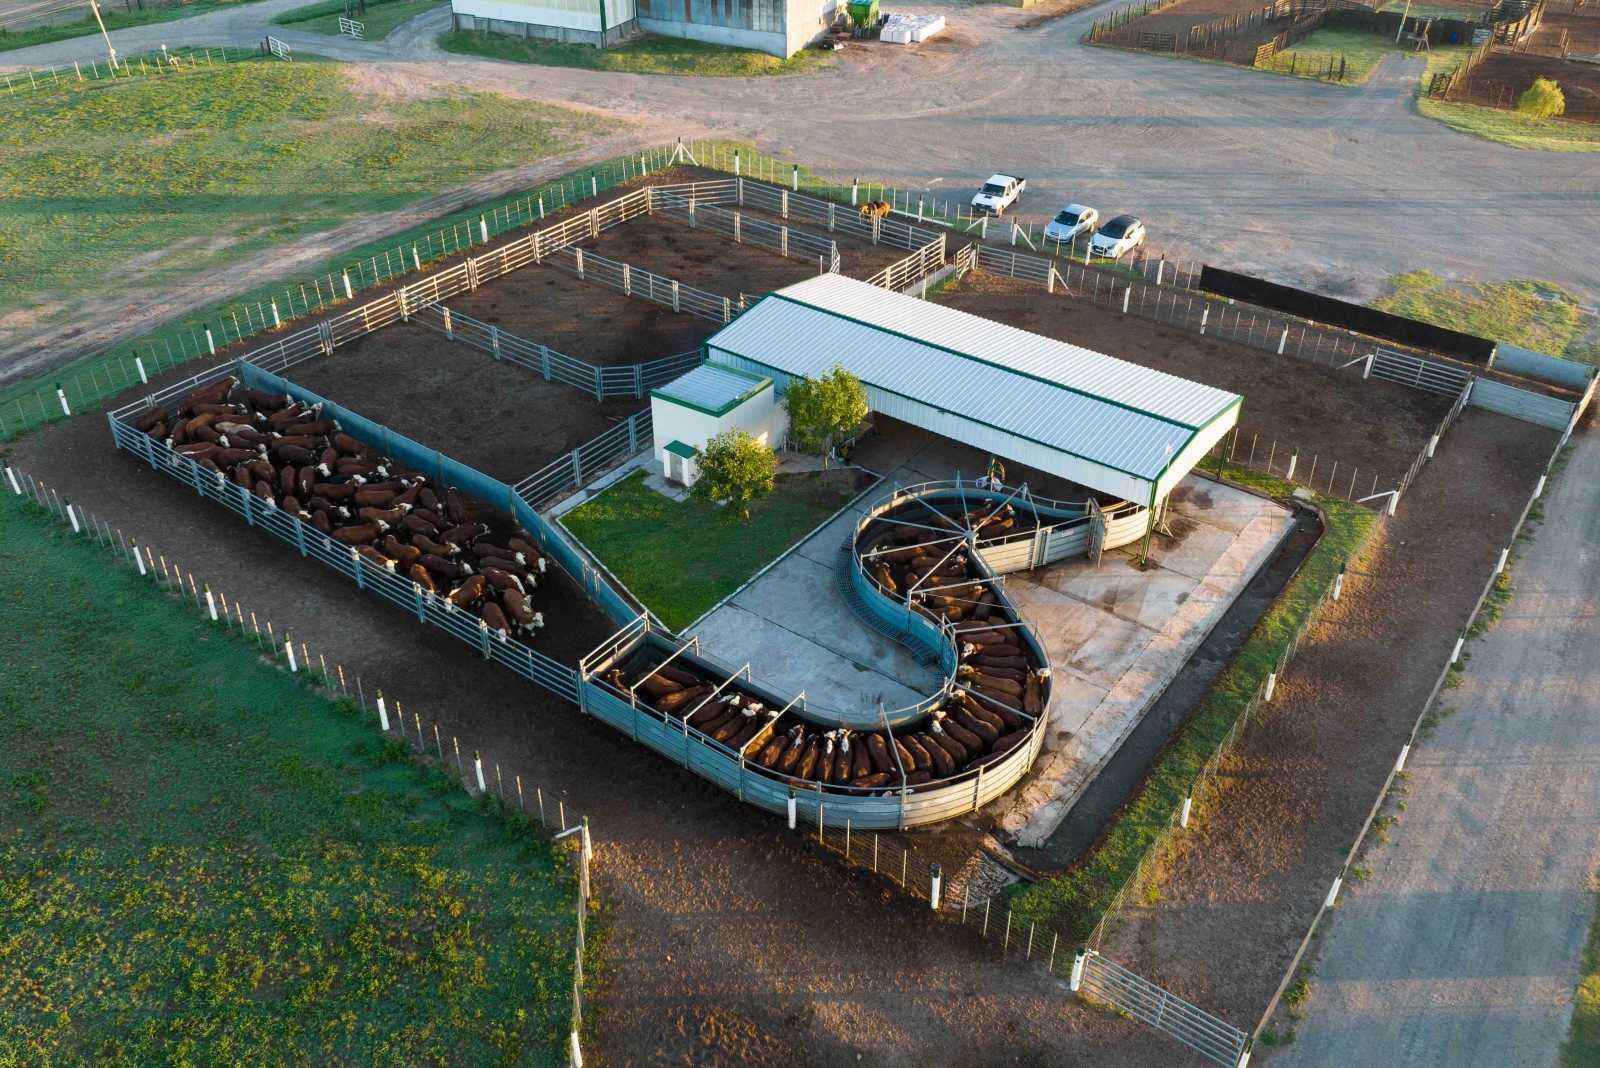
point(1002, 688)
point(286, 454)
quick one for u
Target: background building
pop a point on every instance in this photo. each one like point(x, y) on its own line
point(781, 27)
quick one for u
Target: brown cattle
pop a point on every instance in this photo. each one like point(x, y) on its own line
point(406, 554)
point(447, 569)
point(392, 516)
point(470, 590)
point(420, 576)
point(490, 613)
point(501, 580)
point(427, 544)
point(361, 534)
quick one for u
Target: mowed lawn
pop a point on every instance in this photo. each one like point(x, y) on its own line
point(115, 18)
point(203, 862)
point(377, 22)
point(682, 557)
point(113, 188)
point(643, 55)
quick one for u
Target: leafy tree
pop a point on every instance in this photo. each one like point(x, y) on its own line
point(821, 410)
point(735, 468)
point(1543, 100)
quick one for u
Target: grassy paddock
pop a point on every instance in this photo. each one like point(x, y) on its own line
point(1512, 128)
point(682, 557)
point(205, 862)
point(1362, 52)
point(381, 17)
point(643, 55)
point(1074, 901)
point(1527, 312)
point(114, 20)
point(117, 187)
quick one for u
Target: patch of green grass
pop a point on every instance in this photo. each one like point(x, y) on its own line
point(1582, 1047)
point(682, 557)
point(114, 20)
point(1074, 901)
point(643, 55)
point(1361, 52)
point(1513, 128)
point(1534, 314)
point(203, 861)
point(114, 188)
point(379, 20)
point(1464, 12)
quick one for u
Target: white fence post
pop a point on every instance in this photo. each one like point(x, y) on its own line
point(477, 766)
point(937, 878)
point(211, 604)
point(1283, 340)
point(349, 294)
point(1455, 655)
point(1400, 761)
point(1288, 475)
point(1433, 443)
point(1498, 568)
point(12, 476)
point(792, 805)
point(1333, 892)
point(383, 713)
point(1205, 317)
point(1161, 267)
point(72, 517)
point(1077, 971)
point(1183, 815)
point(210, 344)
point(449, 325)
point(1366, 368)
point(1127, 294)
point(139, 365)
point(1272, 684)
point(577, 1054)
point(61, 395)
point(289, 647)
point(1538, 491)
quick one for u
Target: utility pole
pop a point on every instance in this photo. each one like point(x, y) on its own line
point(112, 52)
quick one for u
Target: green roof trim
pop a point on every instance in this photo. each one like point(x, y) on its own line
point(758, 383)
point(678, 448)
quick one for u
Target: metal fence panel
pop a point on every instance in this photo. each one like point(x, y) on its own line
point(1536, 408)
point(1209, 1035)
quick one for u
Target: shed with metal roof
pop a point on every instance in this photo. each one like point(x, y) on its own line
point(695, 407)
point(1104, 423)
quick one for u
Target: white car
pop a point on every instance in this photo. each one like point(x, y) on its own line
point(1070, 221)
point(1118, 237)
point(1000, 192)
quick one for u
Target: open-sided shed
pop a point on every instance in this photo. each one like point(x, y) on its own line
point(1101, 422)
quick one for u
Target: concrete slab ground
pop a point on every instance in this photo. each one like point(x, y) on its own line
point(1117, 636)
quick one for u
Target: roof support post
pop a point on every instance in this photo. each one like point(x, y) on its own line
point(1149, 529)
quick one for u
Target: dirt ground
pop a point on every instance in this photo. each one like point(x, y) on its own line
point(498, 417)
point(730, 941)
point(1366, 425)
point(1503, 77)
point(1240, 890)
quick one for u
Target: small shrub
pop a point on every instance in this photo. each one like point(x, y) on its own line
point(1543, 100)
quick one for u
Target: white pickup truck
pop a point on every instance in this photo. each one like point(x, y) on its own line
point(998, 193)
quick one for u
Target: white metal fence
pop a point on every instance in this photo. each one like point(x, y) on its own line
point(351, 28)
point(571, 472)
point(903, 273)
point(621, 380)
point(1103, 979)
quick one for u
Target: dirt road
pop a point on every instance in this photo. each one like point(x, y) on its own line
point(1314, 184)
point(1463, 947)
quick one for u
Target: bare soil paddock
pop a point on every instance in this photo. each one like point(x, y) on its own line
point(498, 417)
point(1367, 426)
point(1240, 890)
point(1502, 78)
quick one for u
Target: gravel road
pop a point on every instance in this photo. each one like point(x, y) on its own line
point(1463, 947)
point(1319, 185)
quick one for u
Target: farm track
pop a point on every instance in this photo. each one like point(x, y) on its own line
point(1281, 176)
point(1242, 885)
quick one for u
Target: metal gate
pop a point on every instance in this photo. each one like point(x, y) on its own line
point(1105, 980)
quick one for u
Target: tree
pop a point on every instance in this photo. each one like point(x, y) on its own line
point(1543, 100)
point(821, 410)
point(735, 469)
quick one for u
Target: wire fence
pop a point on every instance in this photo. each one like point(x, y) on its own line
point(478, 775)
point(146, 65)
point(1352, 855)
point(108, 373)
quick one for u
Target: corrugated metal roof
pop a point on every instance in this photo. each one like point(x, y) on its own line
point(962, 333)
point(1083, 403)
point(712, 389)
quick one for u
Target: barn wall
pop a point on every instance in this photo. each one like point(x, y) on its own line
point(761, 417)
point(563, 20)
point(780, 27)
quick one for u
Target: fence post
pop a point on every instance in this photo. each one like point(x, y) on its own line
point(1366, 369)
point(936, 877)
point(1272, 684)
point(61, 395)
point(1077, 971)
point(349, 294)
point(1183, 815)
point(1205, 316)
point(383, 713)
point(449, 325)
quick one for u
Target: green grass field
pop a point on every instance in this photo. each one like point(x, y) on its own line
point(205, 862)
point(646, 538)
point(1512, 128)
point(644, 55)
point(1536, 315)
point(1074, 901)
point(115, 19)
point(1360, 51)
point(113, 188)
point(380, 19)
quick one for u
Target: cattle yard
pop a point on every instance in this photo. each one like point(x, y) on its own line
point(417, 378)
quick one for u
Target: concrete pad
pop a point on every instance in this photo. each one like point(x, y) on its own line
point(1089, 641)
point(1147, 598)
point(799, 634)
point(1062, 773)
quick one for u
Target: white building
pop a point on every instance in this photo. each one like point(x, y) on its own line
point(1112, 426)
point(781, 27)
point(691, 410)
